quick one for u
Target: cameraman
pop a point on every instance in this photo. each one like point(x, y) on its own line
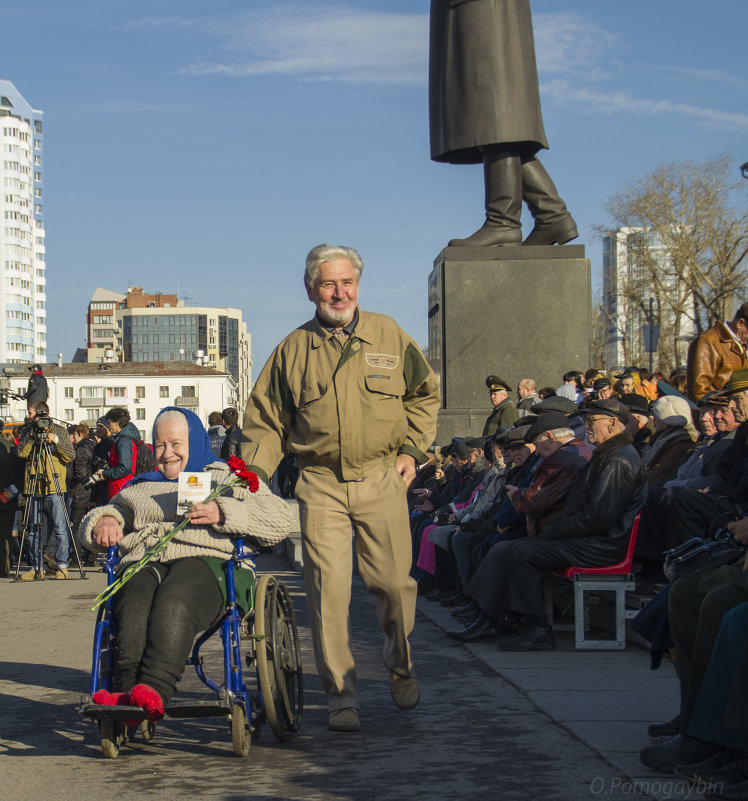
point(124, 451)
point(40, 479)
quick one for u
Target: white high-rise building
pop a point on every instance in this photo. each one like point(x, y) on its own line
point(627, 288)
point(23, 299)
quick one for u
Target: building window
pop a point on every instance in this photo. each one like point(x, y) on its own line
point(140, 392)
point(68, 392)
point(116, 392)
point(69, 414)
point(188, 392)
point(163, 392)
point(142, 434)
point(140, 414)
point(92, 415)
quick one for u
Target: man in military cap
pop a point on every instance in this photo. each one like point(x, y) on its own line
point(504, 411)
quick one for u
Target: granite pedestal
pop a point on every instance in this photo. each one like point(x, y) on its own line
point(518, 312)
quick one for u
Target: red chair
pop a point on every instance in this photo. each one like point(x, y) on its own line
point(610, 578)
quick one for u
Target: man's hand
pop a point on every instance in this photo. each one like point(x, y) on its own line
point(206, 514)
point(107, 532)
point(426, 506)
point(406, 466)
point(739, 529)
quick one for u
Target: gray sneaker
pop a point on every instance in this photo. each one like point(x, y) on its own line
point(344, 719)
point(406, 691)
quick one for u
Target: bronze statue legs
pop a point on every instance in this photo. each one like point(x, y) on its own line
point(502, 176)
point(553, 223)
point(508, 181)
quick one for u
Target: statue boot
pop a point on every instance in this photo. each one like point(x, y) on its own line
point(502, 176)
point(553, 223)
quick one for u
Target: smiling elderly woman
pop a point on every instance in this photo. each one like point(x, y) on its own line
point(161, 609)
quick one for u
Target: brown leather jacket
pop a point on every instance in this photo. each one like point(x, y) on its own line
point(712, 358)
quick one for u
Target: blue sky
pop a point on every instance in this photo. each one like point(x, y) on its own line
point(213, 144)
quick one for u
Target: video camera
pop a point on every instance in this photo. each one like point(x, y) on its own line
point(6, 393)
point(39, 427)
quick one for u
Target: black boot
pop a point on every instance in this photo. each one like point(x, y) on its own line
point(553, 223)
point(502, 177)
point(484, 628)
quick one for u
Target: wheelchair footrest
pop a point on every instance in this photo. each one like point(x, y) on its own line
point(108, 712)
point(199, 709)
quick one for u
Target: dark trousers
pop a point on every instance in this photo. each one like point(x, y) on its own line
point(6, 541)
point(159, 612)
point(511, 575)
point(695, 616)
point(695, 514)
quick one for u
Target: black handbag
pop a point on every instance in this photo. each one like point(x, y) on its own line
point(702, 553)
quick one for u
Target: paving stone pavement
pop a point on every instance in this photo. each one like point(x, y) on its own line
point(558, 725)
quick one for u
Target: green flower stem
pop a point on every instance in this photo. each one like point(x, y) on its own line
point(156, 549)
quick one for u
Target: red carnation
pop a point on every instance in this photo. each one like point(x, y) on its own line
point(239, 469)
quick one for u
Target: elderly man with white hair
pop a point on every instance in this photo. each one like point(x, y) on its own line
point(352, 396)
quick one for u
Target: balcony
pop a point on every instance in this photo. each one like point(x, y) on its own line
point(187, 400)
point(91, 403)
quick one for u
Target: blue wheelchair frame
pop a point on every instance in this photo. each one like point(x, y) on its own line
point(279, 697)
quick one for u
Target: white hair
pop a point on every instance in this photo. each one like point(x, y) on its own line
point(169, 414)
point(321, 253)
point(562, 433)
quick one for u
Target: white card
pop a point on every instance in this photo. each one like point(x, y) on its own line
point(191, 489)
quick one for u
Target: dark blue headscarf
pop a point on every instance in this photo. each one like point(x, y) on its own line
point(200, 454)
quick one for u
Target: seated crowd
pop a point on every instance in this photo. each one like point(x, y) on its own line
point(557, 482)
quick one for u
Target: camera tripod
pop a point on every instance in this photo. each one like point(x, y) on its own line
point(41, 466)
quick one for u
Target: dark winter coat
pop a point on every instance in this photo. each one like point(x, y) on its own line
point(232, 444)
point(603, 503)
point(483, 81)
point(37, 389)
point(81, 470)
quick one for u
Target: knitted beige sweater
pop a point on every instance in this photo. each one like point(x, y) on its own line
point(147, 510)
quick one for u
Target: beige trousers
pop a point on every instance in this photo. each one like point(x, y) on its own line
point(376, 508)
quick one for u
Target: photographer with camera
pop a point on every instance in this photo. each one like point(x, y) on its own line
point(44, 486)
point(123, 455)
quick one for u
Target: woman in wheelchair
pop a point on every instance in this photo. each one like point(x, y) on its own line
point(161, 609)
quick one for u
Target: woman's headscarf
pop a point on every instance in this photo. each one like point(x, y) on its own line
point(200, 454)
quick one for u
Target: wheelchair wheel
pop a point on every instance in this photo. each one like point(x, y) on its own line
point(278, 658)
point(111, 738)
point(240, 730)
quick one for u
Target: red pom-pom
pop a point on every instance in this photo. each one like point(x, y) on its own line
point(148, 700)
point(105, 698)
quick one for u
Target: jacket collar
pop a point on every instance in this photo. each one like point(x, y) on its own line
point(618, 441)
point(362, 329)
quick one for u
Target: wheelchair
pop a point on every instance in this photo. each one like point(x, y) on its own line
point(272, 650)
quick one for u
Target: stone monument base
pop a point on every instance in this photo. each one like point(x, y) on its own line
point(517, 312)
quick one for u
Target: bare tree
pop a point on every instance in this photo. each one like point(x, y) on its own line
point(686, 248)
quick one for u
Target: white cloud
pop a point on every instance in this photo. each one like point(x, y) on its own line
point(564, 93)
point(566, 43)
point(321, 44)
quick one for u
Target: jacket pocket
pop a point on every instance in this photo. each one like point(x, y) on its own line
point(393, 385)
